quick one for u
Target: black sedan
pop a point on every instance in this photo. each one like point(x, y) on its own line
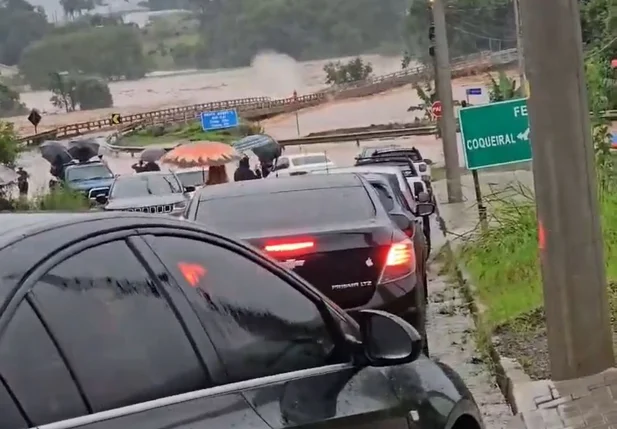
point(330, 229)
point(156, 192)
point(148, 322)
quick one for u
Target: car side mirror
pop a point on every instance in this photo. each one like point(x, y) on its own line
point(387, 339)
point(428, 161)
point(402, 221)
point(101, 199)
point(425, 209)
point(189, 189)
point(424, 197)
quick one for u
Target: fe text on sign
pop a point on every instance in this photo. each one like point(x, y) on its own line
point(495, 134)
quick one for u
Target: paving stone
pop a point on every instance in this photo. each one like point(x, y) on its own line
point(556, 402)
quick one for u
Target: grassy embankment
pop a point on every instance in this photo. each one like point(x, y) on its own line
point(505, 270)
point(181, 133)
point(60, 199)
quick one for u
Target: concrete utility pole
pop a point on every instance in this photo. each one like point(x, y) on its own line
point(448, 121)
point(519, 47)
point(570, 235)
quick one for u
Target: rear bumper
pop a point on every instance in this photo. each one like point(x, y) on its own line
point(399, 297)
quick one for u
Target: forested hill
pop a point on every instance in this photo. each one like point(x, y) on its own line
point(235, 30)
point(229, 33)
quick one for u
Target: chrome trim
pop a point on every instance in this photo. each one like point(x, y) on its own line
point(158, 209)
point(199, 394)
point(98, 190)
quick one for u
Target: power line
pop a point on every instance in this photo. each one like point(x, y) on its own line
point(480, 36)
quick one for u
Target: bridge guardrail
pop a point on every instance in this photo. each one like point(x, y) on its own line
point(244, 104)
point(341, 138)
point(333, 138)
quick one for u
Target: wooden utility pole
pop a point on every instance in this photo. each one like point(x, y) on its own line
point(570, 235)
point(448, 121)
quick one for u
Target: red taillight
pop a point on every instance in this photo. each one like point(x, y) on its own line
point(290, 247)
point(400, 262)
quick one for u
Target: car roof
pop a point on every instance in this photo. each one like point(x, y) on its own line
point(146, 174)
point(23, 224)
point(279, 184)
point(304, 155)
point(84, 164)
point(384, 147)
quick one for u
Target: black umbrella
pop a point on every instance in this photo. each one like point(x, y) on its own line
point(51, 150)
point(83, 150)
point(152, 154)
point(263, 146)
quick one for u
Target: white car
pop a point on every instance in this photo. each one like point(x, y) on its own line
point(422, 166)
point(192, 177)
point(303, 163)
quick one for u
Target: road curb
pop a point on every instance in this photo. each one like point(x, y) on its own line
point(508, 373)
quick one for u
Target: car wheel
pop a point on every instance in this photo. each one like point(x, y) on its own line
point(418, 318)
point(426, 227)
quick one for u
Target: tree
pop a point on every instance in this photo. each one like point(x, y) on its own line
point(473, 26)
point(355, 70)
point(93, 93)
point(20, 25)
point(503, 88)
point(70, 92)
point(10, 104)
point(112, 52)
point(232, 32)
point(427, 94)
point(9, 146)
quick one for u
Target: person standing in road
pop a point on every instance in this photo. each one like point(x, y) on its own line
point(217, 175)
point(138, 167)
point(244, 172)
point(22, 182)
point(151, 166)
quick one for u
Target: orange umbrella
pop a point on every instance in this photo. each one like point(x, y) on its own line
point(201, 154)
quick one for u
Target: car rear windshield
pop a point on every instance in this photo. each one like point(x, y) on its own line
point(88, 172)
point(310, 159)
point(143, 185)
point(287, 210)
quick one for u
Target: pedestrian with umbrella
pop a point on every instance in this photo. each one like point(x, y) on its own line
point(213, 155)
point(266, 148)
point(244, 172)
point(148, 159)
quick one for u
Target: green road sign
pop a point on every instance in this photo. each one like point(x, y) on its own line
point(495, 134)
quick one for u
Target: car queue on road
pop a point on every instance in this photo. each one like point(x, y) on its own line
point(297, 301)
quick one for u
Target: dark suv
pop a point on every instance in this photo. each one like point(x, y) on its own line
point(125, 320)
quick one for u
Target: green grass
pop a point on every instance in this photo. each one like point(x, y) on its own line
point(60, 199)
point(503, 261)
point(192, 132)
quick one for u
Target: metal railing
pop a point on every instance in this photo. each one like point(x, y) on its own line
point(420, 130)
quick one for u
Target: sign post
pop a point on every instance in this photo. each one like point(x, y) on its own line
point(472, 91)
point(494, 134)
point(35, 119)
point(295, 97)
point(219, 120)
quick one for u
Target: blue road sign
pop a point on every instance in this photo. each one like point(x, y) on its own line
point(219, 120)
point(474, 91)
